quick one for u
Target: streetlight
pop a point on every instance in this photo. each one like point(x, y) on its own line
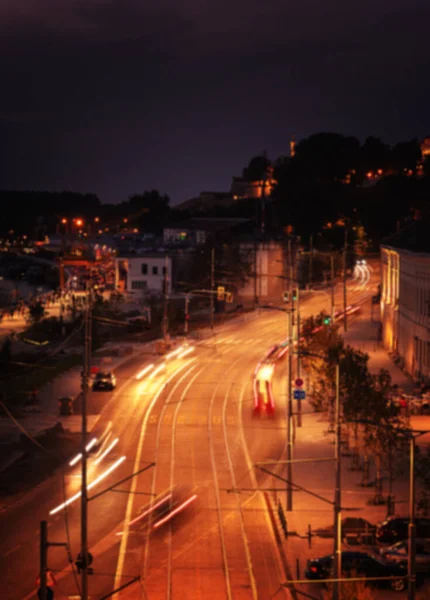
point(411, 435)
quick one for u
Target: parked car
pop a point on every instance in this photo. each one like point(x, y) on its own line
point(354, 529)
point(395, 529)
point(362, 564)
point(398, 553)
point(104, 380)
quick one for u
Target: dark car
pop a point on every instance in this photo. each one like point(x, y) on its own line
point(104, 380)
point(395, 529)
point(362, 564)
point(399, 553)
point(163, 509)
point(354, 530)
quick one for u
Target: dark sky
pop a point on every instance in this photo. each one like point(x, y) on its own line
point(119, 96)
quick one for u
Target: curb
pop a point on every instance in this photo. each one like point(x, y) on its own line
point(289, 591)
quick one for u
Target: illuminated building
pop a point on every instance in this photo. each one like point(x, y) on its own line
point(405, 298)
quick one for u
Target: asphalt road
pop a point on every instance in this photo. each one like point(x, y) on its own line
point(193, 420)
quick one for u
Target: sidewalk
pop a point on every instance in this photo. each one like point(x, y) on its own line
point(45, 415)
point(313, 441)
point(362, 334)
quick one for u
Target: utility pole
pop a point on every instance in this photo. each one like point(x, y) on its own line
point(337, 494)
point(411, 527)
point(299, 360)
point(212, 286)
point(46, 578)
point(255, 273)
point(332, 286)
point(187, 316)
point(165, 311)
point(290, 414)
point(345, 246)
point(311, 252)
point(83, 556)
point(43, 560)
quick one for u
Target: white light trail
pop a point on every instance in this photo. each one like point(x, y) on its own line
point(156, 371)
point(174, 353)
point(144, 371)
point(78, 457)
point(104, 444)
point(75, 460)
point(186, 352)
point(106, 452)
point(90, 486)
point(175, 512)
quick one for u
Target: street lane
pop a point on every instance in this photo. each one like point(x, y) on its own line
point(200, 425)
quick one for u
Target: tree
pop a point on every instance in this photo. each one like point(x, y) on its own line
point(257, 168)
point(326, 157)
point(405, 156)
point(232, 268)
point(373, 156)
point(149, 210)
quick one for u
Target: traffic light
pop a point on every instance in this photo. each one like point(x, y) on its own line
point(327, 320)
point(295, 294)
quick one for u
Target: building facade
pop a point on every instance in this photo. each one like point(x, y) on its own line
point(405, 298)
point(146, 274)
point(268, 282)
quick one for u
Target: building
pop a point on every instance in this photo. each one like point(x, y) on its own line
point(199, 231)
point(405, 298)
point(268, 282)
point(425, 148)
point(241, 187)
point(145, 274)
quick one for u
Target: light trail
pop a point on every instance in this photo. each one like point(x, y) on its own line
point(78, 457)
point(174, 512)
point(90, 486)
point(106, 452)
point(144, 371)
point(157, 370)
point(174, 353)
point(186, 352)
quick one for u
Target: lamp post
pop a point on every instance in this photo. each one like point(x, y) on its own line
point(289, 499)
point(187, 315)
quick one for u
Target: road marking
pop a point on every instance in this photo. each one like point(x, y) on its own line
point(193, 420)
point(130, 501)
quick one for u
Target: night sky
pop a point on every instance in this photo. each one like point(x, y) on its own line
point(119, 96)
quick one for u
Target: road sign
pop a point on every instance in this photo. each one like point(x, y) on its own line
point(298, 382)
point(299, 394)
